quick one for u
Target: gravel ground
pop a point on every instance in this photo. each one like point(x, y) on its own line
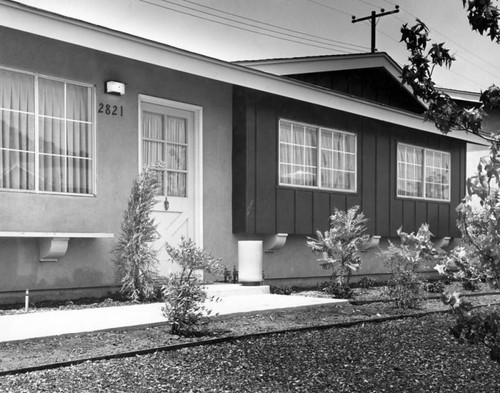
point(409, 355)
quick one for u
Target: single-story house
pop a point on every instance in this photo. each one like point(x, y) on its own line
point(253, 151)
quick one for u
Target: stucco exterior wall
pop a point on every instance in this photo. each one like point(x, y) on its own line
point(88, 262)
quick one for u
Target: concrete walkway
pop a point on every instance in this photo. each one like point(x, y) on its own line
point(232, 300)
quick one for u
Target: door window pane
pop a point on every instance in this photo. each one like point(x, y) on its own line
point(164, 144)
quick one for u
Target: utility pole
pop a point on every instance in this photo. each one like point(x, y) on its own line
point(373, 17)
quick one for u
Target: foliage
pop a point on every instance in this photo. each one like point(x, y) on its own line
point(405, 260)
point(340, 245)
point(437, 286)
point(474, 326)
point(442, 110)
point(135, 259)
point(282, 290)
point(483, 17)
point(365, 283)
point(339, 290)
point(471, 286)
point(183, 295)
point(478, 258)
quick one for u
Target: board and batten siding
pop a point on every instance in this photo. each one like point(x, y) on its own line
point(262, 206)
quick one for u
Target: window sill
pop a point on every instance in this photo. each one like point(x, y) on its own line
point(311, 188)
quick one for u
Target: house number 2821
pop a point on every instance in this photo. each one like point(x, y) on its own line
point(110, 110)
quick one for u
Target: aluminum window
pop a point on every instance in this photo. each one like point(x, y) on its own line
point(423, 173)
point(317, 157)
point(47, 134)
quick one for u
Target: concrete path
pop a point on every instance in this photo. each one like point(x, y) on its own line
point(52, 323)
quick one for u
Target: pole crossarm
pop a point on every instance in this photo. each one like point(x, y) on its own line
point(373, 17)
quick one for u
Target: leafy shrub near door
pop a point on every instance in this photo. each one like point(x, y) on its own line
point(135, 259)
point(183, 293)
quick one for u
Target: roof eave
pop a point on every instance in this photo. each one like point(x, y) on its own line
point(39, 22)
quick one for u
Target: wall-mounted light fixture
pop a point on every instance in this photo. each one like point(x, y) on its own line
point(114, 87)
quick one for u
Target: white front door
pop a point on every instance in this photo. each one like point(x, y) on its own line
point(168, 136)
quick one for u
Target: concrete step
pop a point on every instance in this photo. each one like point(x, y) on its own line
point(229, 290)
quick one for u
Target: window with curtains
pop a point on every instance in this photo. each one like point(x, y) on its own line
point(164, 141)
point(46, 141)
point(423, 173)
point(311, 156)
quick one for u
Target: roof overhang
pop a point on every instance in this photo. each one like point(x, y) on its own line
point(21, 17)
point(332, 63)
point(313, 64)
point(461, 95)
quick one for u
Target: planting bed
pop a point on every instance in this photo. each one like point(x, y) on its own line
point(411, 353)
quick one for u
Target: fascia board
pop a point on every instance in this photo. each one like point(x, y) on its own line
point(462, 95)
point(322, 64)
point(38, 22)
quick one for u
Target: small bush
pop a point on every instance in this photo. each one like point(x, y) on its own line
point(470, 285)
point(282, 290)
point(474, 326)
point(435, 286)
point(406, 287)
point(336, 289)
point(339, 246)
point(183, 293)
point(406, 290)
point(364, 283)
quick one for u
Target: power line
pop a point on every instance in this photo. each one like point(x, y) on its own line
point(329, 7)
point(455, 43)
point(276, 26)
point(449, 40)
point(312, 43)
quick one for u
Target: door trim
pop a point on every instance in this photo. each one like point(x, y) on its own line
point(197, 150)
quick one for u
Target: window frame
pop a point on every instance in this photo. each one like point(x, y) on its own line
point(424, 172)
point(93, 129)
point(319, 167)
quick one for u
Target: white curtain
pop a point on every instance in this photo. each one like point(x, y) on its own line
point(17, 128)
point(52, 139)
point(410, 170)
point(298, 154)
point(176, 157)
point(299, 157)
point(153, 143)
point(165, 141)
point(64, 134)
point(437, 181)
point(338, 160)
point(64, 137)
point(79, 139)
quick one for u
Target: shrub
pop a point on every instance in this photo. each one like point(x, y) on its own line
point(183, 293)
point(474, 326)
point(406, 287)
point(470, 285)
point(135, 259)
point(336, 289)
point(479, 223)
point(437, 286)
point(282, 290)
point(365, 283)
point(340, 245)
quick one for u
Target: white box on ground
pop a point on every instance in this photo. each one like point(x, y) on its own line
point(250, 262)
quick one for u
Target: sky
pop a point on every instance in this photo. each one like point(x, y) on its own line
point(234, 30)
